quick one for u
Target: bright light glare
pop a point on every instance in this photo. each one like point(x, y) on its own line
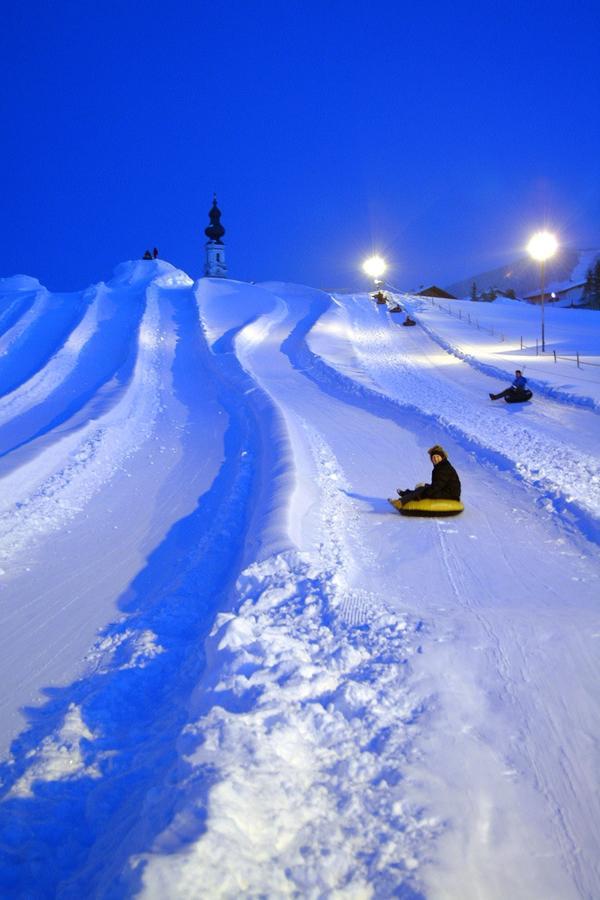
point(374, 266)
point(542, 245)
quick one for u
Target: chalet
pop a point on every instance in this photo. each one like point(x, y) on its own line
point(434, 291)
point(565, 294)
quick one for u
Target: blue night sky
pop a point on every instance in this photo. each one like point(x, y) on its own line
point(440, 134)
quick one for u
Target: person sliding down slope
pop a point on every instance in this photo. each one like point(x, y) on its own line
point(519, 386)
point(445, 483)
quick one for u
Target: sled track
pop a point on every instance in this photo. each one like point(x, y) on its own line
point(97, 382)
point(134, 702)
point(306, 662)
point(540, 387)
point(523, 759)
point(340, 386)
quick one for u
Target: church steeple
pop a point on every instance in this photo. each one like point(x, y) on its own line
point(214, 265)
point(215, 230)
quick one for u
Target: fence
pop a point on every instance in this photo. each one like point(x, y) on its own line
point(474, 321)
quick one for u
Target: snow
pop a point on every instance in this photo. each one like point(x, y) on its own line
point(19, 283)
point(229, 668)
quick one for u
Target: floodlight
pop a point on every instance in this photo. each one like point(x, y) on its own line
point(374, 266)
point(542, 246)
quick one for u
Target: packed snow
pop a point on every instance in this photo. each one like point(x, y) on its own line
point(229, 668)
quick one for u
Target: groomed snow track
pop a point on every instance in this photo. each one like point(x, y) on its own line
point(244, 675)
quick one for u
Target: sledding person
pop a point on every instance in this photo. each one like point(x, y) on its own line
point(519, 386)
point(445, 483)
point(147, 255)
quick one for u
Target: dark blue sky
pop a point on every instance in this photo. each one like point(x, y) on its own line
point(440, 134)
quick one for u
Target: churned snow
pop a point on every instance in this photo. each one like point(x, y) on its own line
point(229, 667)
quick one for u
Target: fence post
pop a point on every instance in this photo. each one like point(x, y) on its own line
point(554, 351)
point(521, 342)
point(537, 352)
point(578, 366)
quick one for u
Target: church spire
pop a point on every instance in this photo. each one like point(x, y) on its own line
point(215, 230)
point(214, 261)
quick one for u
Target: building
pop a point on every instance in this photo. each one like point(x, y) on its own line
point(434, 291)
point(214, 262)
point(563, 294)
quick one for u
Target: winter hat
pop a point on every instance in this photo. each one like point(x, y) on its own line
point(436, 449)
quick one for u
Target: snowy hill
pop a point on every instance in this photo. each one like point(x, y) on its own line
point(567, 269)
point(229, 668)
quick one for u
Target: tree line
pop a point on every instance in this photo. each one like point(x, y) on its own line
point(591, 288)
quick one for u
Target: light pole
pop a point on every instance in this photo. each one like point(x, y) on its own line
point(542, 246)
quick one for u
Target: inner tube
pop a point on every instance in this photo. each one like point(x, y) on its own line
point(518, 396)
point(428, 507)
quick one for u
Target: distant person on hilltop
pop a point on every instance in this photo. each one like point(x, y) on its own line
point(517, 388)
point(155, 253)
point(147, 255)
point(445, 483)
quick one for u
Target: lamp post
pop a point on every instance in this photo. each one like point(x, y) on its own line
point(542, 246)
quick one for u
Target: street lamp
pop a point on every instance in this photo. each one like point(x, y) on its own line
point(374, 267)
point(542, 246)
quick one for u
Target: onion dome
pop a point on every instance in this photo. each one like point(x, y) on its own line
point(215, 230)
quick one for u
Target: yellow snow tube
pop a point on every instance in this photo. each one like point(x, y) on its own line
point(428, 507)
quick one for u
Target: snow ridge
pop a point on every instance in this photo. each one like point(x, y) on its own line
point(122, 720)
point(62, 478)
point(310, 679)
point(61, 365)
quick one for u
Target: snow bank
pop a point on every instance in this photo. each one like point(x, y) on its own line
point(146, 270)
point(19, 283)
point(46, 380)
point(50, 488)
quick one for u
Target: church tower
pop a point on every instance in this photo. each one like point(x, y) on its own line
point(214, 264)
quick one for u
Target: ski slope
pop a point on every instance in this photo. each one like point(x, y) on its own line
point(228, 667)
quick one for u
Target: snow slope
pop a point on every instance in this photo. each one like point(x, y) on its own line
point(229, 668)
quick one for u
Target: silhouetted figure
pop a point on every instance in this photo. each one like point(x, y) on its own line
point(147, 255)
point(155, 253)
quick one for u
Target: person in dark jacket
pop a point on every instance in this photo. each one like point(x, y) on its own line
point(147, 255)
point(445, 483)
point(519, 386)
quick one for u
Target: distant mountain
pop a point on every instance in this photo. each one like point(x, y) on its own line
point(566, 270)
